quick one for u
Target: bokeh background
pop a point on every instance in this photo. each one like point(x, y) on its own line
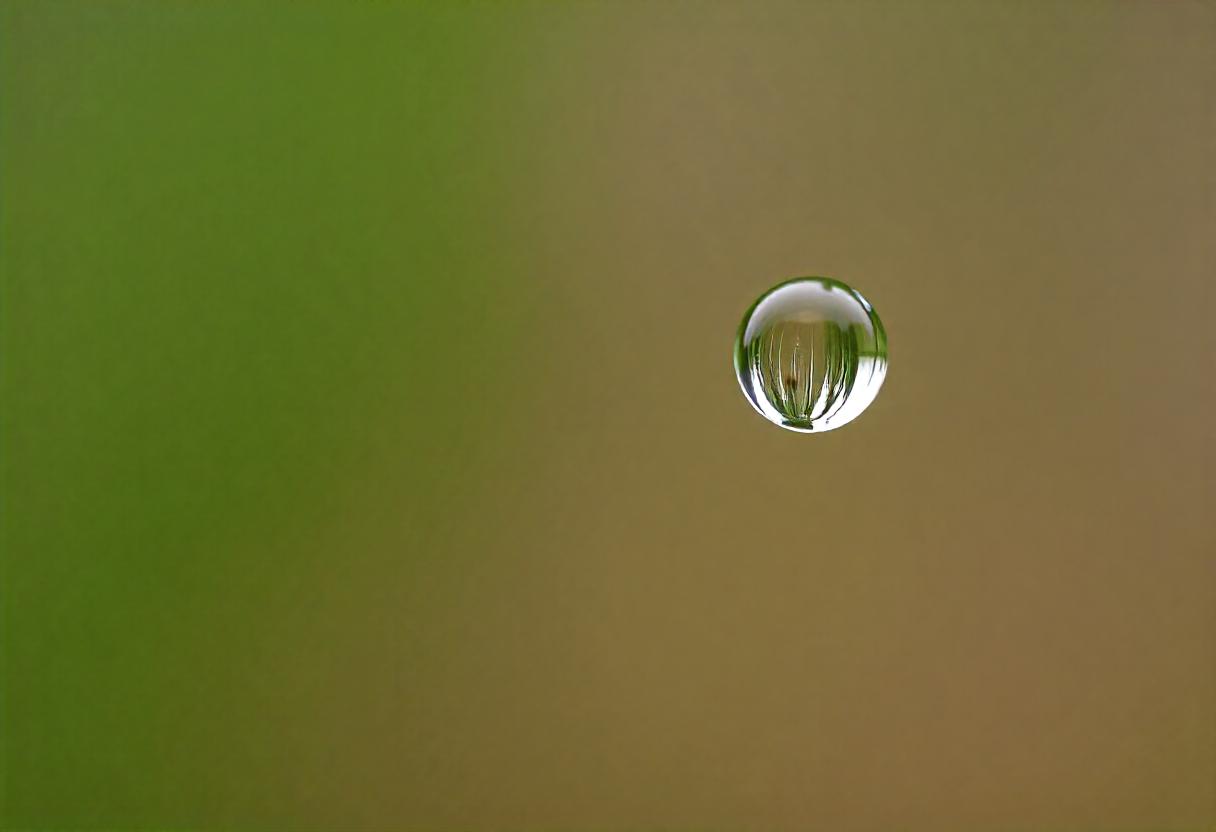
point(372, 456)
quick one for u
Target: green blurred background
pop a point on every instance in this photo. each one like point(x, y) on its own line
point(372, 456)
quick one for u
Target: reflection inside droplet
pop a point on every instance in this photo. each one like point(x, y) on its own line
point(811, 354)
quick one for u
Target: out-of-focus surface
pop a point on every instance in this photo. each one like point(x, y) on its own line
point(372, 455)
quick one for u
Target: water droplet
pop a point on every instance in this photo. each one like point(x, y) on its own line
point(811, 354)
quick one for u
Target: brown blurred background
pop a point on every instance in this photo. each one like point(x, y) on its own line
point(374, 459)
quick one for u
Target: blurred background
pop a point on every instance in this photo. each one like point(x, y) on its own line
point(372, 456)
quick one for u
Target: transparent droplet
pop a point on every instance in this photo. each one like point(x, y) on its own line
point(811, 354)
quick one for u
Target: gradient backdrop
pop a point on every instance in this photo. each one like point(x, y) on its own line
point(372, 457)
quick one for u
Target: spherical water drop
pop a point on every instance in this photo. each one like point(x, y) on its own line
point(811, 354)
